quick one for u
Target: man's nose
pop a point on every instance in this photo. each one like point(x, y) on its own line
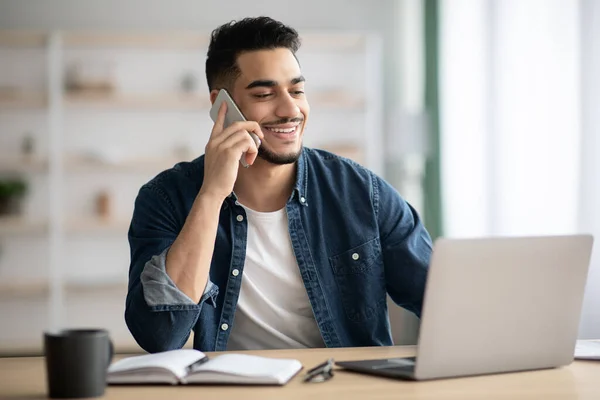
point(287, 107)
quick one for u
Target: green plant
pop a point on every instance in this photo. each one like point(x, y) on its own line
point(12, 188)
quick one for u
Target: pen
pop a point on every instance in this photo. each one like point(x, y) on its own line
point(193, 366)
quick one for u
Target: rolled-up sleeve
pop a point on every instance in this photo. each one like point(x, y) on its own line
point(159, 288)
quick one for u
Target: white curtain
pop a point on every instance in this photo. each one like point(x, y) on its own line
point(589, 211)
point(516, 122)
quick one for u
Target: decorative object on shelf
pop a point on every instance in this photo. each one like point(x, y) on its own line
point(89, 78)
point(12, 192)
point(28, 147)
point(189, 83)
point(103, 205)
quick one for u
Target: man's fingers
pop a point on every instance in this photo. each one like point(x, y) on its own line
point(251, 154)
point(249, 149)
point(255, 128)
point(238, 143)
point(234, 140)
point(248, 126)
point(220, 122)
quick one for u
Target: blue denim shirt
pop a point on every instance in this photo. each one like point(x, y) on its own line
point(355, 240)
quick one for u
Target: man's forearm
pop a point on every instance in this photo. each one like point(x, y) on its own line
point(189, 258)
point(158, 331)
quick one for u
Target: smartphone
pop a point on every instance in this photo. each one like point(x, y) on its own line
point(232, 115)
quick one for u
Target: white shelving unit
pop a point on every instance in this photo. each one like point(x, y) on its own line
point(117, 140)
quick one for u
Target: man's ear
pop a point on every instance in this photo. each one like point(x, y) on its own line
point(213, 95)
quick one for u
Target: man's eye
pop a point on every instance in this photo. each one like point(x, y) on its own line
point(262, 95)
point(298, 92)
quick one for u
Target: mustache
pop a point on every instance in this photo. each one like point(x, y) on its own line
point(284, 121)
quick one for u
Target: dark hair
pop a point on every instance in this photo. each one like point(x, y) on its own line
point(228, 41)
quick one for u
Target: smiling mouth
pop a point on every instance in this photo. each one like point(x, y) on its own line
point(283, 131)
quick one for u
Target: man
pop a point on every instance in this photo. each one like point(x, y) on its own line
point(297, 250)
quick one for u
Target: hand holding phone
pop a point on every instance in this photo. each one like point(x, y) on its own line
point(223, 151)
point(232, 115)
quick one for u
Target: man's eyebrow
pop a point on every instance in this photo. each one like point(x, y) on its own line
point(298, 80)
point(271, 83)
point(261, 82)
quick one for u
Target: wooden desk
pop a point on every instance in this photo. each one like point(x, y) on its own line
point(25, 378)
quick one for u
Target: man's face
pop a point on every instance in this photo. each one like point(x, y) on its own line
point(270, 91)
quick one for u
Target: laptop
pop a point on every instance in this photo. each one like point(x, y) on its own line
point(495, 305)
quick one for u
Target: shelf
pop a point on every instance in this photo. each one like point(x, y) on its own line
point(22, 164)
point(21, 348)
point(15, 289)
point(175, 101)
point(83, 287)
point(88, 225)
point(21, 225)
point(331, 99)
point(195, 40)
point(154, 40)
point(336, 99)
point(332, 41)
point(22, 39)
point(75, 164)
point(93, 225)
point(18, 99)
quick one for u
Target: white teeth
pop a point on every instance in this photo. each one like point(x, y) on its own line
point(290, 130)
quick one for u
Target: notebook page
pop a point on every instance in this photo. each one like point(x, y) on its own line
point(176, 361)
point(251, 366)
point(587, 350)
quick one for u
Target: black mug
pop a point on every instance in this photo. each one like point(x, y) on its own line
point(76, 362)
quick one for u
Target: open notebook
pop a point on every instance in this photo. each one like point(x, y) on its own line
point(187, 366)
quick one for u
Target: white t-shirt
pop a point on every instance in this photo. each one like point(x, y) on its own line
point(273, 310)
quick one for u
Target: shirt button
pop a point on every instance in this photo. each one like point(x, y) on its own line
point(240, 218)
point(224, 327)
point(355, 256)
point(235, 272)
point(302, 200)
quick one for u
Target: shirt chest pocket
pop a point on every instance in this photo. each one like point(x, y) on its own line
point(360, 280)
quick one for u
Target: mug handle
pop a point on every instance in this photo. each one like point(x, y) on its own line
point(111, 352)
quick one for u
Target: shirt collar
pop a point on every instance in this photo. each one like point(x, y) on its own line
point(300, 187)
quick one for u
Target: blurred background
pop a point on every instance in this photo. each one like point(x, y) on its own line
point(484, 114)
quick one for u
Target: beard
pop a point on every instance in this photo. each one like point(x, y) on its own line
point(281, 159)
point(278, 159)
